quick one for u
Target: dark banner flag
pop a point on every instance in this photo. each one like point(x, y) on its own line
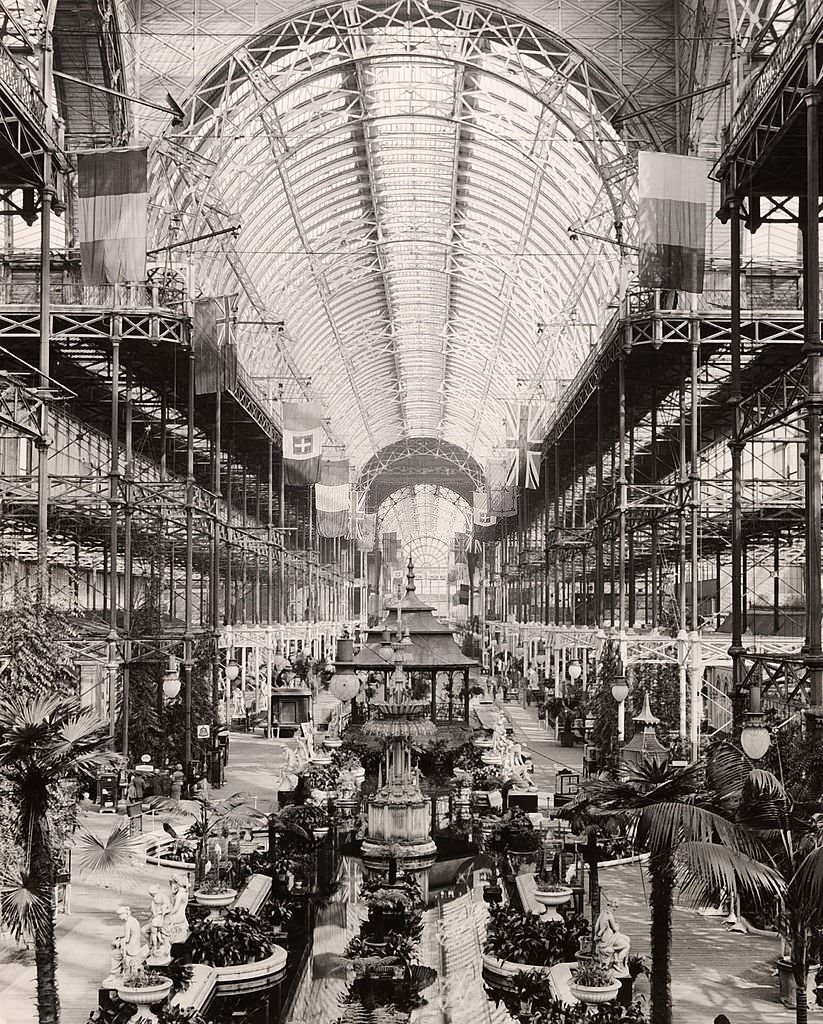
point(391, 551)
point(374, 564)
point(215, 354)
point(112, 189)
point(671, 218)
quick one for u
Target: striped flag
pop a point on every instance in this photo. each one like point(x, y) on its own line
point(523, 422)
point(112, 206)
point(331, 498)
point(671, 216)
point(302, 441)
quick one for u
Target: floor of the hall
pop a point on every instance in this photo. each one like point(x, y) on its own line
point(713, 970)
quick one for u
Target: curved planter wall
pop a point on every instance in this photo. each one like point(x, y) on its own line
point(503, 971)
point(252, 977)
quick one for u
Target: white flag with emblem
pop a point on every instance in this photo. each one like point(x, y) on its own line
point(302, 442)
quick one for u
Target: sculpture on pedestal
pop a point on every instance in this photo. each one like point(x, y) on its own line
point(178, 923)
point(128, 950)
point(158, 928)
point(612, 944)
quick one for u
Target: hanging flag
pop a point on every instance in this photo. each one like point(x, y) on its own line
point(302, 441)
point(671, 219)
point(331, 498)
point(391, 550)
point(364, 524)
point(480, 509)
point(523, 423)
point(502, 500)
point(215, 353)
point(112, 189)
point(459, 544)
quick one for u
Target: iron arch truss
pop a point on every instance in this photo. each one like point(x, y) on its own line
point(419, 459)
point(405, 176)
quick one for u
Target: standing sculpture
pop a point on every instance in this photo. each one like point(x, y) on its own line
point(178, 922)
point(159, 928)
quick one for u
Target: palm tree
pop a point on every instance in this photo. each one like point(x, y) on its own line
point(786, 818)
point(43, 741)
point(693, 843)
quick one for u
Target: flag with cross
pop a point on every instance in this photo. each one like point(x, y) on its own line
point(215, 352)
point(302, 442)
point(523, 444)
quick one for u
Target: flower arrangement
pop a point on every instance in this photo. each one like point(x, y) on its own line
point(346, 760)
point(515, 832)
point(306, 816)
point(214, 887)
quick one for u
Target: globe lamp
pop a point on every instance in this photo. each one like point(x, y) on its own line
point(345, 685)
point(171, 680)
point(755, 737)
point(232, 670)
point(575, 670)
point(620, 691)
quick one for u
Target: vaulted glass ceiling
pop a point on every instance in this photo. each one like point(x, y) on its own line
point(405, 176)
point(425, 518)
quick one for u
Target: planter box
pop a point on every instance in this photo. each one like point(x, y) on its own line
point(785, 979)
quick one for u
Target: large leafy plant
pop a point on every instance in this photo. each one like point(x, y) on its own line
point(238, 937)
point(528, 939)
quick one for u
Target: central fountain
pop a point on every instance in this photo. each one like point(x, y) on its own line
point(399, 815)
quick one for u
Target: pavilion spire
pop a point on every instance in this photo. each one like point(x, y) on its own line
point(410, 588)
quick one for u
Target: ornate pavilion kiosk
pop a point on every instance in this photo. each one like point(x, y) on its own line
point(399, 815)
point(411, 635)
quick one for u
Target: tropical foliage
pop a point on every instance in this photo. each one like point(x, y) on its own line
point(528, 939)
point(45, 742)
point(238, 937)
point(688, 821)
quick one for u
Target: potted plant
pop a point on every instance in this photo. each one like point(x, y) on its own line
point(593, 983)
point(215, 895)
point(144, 989)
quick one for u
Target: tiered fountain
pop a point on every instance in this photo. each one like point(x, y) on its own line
point(399, 815)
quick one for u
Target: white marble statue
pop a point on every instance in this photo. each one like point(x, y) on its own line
point(612, 944)
point(499, 737)
point(128, 950)
point(178, 922)
point(514, 766)
point(158, 928)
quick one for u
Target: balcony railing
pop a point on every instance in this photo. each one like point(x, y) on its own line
point(769, 74)
point(15, 82)
point(103, 296)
